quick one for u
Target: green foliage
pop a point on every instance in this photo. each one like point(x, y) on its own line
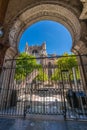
point(25, 64)
point(64, 66)
point(42, 75)
point(67, 61)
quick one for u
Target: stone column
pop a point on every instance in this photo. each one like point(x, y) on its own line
point(80, 49)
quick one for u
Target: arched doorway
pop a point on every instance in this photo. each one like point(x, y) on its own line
point(57, 13)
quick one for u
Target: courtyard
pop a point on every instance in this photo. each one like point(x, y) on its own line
point(34, 124)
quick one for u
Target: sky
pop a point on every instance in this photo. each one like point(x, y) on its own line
point(57, 38)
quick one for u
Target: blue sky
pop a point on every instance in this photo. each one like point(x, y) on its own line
point(57, 37)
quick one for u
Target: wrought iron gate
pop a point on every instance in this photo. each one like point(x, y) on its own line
point(46, 100)
point(46, 88)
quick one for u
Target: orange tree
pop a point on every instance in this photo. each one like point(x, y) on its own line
point(65, 64)
point(25, 64)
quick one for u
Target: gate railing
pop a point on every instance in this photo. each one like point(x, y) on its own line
point(48, 88)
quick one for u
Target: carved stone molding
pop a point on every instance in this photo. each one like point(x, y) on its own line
point(79, 48)
point(84, 11)
point(43, 12)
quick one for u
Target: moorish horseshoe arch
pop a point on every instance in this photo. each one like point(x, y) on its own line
point(42, 12)
point(45, 12)
point(53, 12)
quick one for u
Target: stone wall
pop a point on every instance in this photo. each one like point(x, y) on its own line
point(14, 9)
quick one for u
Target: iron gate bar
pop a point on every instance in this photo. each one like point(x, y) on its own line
point(49, 97)
point(41, 57)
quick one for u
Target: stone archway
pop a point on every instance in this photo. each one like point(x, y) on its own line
point(45, 12)
point(53, 12)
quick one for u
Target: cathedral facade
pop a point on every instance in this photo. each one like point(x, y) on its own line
point(36, 50)
point(40, 52)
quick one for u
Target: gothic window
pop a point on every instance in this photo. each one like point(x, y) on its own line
point(35, 52)
point(49, 64)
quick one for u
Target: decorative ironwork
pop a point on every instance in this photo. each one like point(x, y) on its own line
point(64, 95)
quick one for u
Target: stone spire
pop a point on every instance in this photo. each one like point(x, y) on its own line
point(44, 45)
point(44, 53)
point(26, 48)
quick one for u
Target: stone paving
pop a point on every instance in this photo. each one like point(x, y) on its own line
point(33, 124)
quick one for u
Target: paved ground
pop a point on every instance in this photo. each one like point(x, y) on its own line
point(25, 124)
